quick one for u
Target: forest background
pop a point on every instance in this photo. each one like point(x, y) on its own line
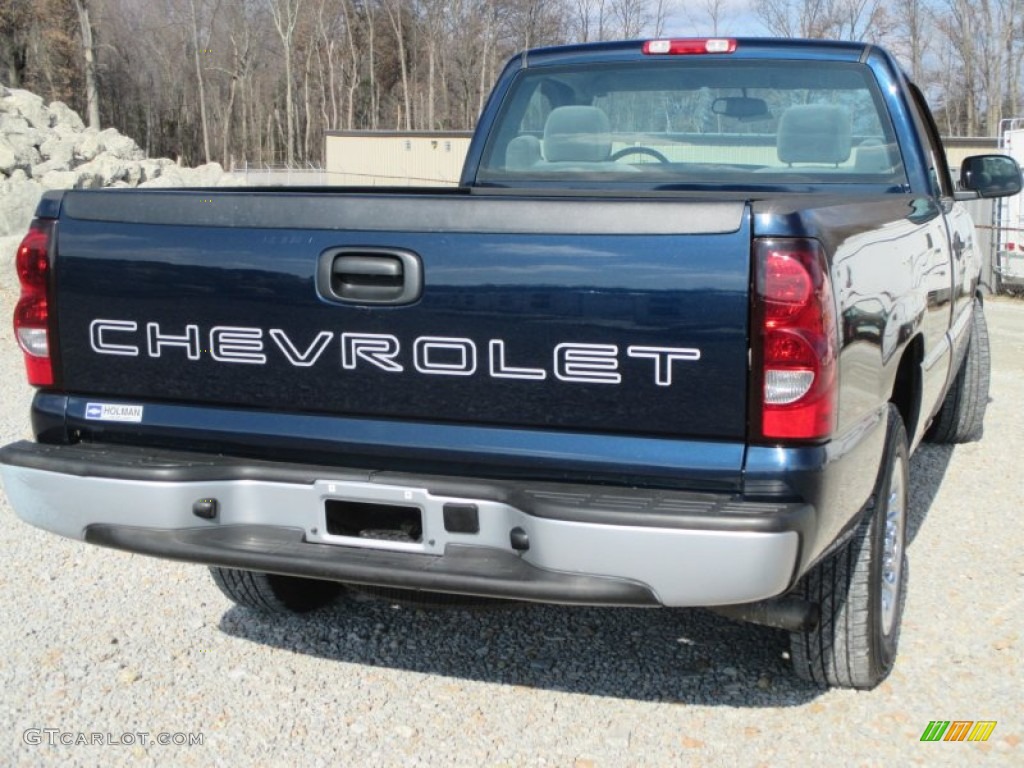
point(259, 82)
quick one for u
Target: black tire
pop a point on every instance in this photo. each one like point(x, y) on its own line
point(961, 419)
point(273, 593)
point(861, 588)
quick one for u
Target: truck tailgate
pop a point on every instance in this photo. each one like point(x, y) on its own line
point(598, 315)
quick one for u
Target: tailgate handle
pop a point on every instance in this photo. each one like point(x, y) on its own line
point(370, 275)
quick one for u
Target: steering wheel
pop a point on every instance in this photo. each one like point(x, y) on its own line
point(639, 151)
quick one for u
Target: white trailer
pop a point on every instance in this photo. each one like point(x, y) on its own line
point(1009, 215)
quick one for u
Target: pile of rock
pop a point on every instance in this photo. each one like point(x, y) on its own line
point(47, 146)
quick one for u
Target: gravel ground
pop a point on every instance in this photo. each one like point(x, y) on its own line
point(98, 641)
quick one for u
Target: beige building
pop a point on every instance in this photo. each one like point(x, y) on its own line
point(385, 158)
point(959, 148)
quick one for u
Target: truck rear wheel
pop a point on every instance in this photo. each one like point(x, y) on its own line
point(861, 588)
point(273, 593)
point(962, 416)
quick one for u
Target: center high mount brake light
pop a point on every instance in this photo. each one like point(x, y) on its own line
point(689, 47)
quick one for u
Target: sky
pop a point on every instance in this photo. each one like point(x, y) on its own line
point(738, 20)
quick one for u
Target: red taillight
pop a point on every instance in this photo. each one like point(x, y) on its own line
point(691, 47)
point(794, 341)
point(32, 313)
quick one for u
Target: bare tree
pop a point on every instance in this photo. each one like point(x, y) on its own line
point(861, 20)
point(581, 13)
point(839, 19)
point(286, 16)
point(958, 27)
point(197, 52)
point(489, 33)
point(996, 18)
point(796, 18)
point(1013, 25)
point(631, 17)
point(371, 54)
point(911, 25)
point(981, 43)
point(92, 94)
point(16, 22)
point(395, 11)
point(659, 16)
point(434, 12)
point(246, 35)
point(355, 57)
point(327, 35)
point(714, 11)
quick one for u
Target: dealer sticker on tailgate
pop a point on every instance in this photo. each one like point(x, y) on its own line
point(113, 412)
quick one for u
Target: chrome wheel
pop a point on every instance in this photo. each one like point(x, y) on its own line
point(892, 546)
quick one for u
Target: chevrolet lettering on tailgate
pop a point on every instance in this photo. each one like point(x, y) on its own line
point(436, 355)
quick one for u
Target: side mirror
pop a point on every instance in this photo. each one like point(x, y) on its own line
point(990, 175)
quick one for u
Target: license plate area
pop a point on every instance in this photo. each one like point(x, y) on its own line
point(400, 519)
point(395, 523)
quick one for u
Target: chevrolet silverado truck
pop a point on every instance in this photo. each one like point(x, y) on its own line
point(670, 342)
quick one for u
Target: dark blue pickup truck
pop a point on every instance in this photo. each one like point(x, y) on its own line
point(669, 343)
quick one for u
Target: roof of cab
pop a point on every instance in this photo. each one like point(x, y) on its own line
point(746, 47)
